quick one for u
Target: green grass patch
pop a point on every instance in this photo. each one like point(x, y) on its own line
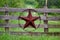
point(6, 36)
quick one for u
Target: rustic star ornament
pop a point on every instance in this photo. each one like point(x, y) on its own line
point(29, 20)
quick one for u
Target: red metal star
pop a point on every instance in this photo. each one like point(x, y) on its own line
point(29, 20)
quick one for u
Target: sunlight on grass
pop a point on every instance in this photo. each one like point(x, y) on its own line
point(1, 29)
point(27, 29)
point(54, 22)
point(6, 36)
point(54, 29)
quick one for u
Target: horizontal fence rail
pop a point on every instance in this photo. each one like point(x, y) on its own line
point(22, 9)
point(54, 18)
point(32, 33)
point(41, 25)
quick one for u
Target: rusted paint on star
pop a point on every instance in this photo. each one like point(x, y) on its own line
point(29, 20)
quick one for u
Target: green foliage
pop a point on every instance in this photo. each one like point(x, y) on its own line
point(12, 3)
point(2, 2)
point(52, 3)
point(41, 3)
point(33, 3)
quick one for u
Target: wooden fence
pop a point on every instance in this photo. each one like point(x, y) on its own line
point(45, 18)
point(7, 17)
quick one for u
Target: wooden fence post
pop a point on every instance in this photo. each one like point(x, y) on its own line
point(6, 20)
point(45, 21)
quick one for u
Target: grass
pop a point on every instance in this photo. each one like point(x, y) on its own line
point(25, 37)
point(6, 36)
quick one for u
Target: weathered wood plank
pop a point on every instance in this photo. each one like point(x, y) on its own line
point(33, 33)
point(22, 9)
point(3, 17)
point(36, 33)
point(41, 25)
point(12, 9)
